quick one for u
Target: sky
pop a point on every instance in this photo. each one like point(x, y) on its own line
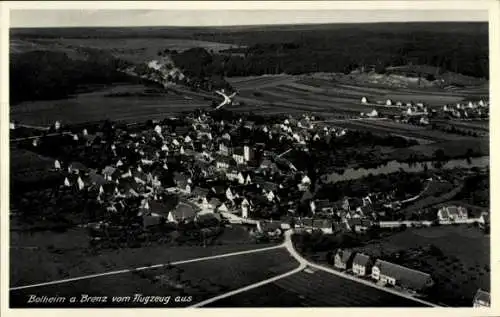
point(221, 17)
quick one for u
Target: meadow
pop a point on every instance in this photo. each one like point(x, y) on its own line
point(200, 280)
point(315, 289)
point(97, 106)
point(54, 255)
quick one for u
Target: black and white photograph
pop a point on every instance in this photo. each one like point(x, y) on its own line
point(253, 157)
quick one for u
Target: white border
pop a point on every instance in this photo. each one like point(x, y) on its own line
point(493, 7)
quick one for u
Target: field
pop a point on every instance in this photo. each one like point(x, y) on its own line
point(452, 149)
point(23, 161)
point(201, 280)
point(317, 289)
point(132, 49)
point(98, 106)
point(44, 256)
point(463, 267)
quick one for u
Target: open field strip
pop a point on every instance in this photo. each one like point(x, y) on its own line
point(373, 127)
point(250, 287)
point(333, 105)
point(333, 99)
point(273, 92)
point(305, 88)
point(201, 280)
point(303, 107)
point(93, 109)
point(261, 96)
point(292, 93)
point(261, 82)
point(91, 276)
point(478, 125)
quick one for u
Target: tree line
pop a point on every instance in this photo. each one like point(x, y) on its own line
point(45, 75)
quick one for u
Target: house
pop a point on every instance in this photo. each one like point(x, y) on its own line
point(239, 155)
point(250, 125)
point(214, 203)
point(223, 208)
point(359, 225)
point(325, 225)
point(452, 213)
point(229, 194)
point(241, 178)
point(77, 167)
point(223, 162)
point(343, 259)
point(248, 153)
point(233, 175)
point(108, 172)
point(362, 264)
point(273, 229)
point(481, 299)
point(484, 221)
point(394, 274)
point(306, 180)
point(182, 182)
point(245, 208)
point(224, 149)
point(324, 205)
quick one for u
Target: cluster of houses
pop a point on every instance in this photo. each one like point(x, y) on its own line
point(415, 112)
point(472, 109)
point(382, 272)
point(201, 160)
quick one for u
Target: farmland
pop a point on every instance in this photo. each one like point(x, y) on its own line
point(317, 289)
point(62, 255)
point(201, 280)
point(460, 267)
point(98, 106)
point(131, 49)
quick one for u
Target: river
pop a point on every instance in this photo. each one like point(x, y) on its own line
point(394, 166)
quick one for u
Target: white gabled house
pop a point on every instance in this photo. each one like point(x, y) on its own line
point(241, 179)
point(223, 208)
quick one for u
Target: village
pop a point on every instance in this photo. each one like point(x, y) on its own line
point(198, 174)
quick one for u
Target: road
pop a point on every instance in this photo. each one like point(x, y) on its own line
point(41, 136)
point(303, 261)
point(303, 264)
point(249, 287)
point(90, 276)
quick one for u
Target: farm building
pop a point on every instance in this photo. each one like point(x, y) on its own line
point(484, 221)
point(362, 264)
point(343, 259)
point(452, 213)
point(481, 299)
point(393, 274)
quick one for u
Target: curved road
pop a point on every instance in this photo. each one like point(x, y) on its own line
point(303, 263)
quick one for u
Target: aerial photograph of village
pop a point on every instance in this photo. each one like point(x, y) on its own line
point(329, 163)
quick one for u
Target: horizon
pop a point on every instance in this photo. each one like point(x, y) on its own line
point(32, 19)
point(245, 25)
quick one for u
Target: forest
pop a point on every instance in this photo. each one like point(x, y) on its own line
point(345, 51)
point(449, 47)
point(47, 75)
